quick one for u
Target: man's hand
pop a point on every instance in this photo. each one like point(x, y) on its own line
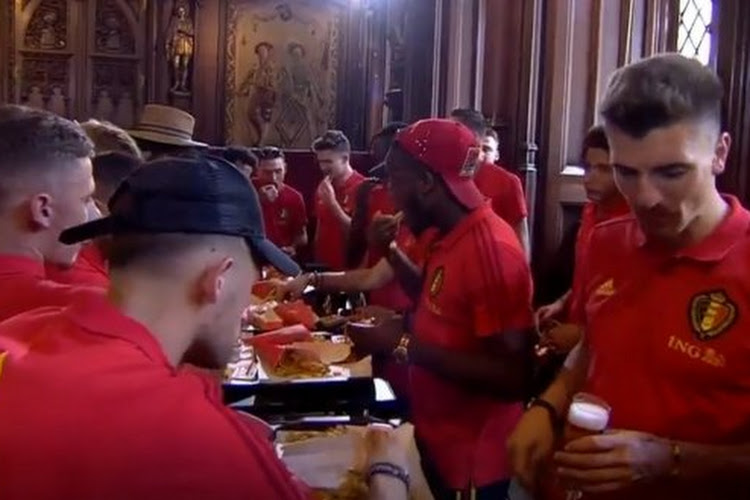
point(378, 314)
point(326, 191)
point(290, 251)
point(613, 460)
point(293, 288)
point(549, 312)
point(270, 191)
point(530, 445)
point(382, 337)
point(383, 230)
point(561, 337)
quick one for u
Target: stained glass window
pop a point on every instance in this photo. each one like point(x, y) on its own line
point(694, 32)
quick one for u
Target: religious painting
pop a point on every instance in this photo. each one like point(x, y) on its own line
point(282, 66)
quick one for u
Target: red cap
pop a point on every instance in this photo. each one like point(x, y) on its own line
point(450, 150)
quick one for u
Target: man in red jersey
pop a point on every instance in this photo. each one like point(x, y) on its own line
point(372, 199)
point(90, 267)
point(667, 305)
point(496, 183)
point(46, 185)
point(114, 412)
point(490, 146)
point(468, 350)
point(605, 202)
point(334, 199)
point(284, 212)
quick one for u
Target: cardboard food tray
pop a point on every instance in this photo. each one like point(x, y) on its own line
point(323, 463)
point(361, 368)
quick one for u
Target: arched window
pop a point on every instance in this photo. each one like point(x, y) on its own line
point(695, 30)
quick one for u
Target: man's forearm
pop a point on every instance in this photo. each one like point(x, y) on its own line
point(508, 378)
point(343, 218)
point(387, 488)
point(522, 231)
point(570, 380)
point(357, 280)
point(409, 276)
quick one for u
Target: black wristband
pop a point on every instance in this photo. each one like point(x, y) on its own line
point(551, 411)
point(388, 469)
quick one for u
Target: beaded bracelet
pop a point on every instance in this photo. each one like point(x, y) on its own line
point(388, 469)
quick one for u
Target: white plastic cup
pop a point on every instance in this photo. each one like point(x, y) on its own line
point(587, 415)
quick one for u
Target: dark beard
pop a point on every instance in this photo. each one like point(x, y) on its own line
point(417, 219)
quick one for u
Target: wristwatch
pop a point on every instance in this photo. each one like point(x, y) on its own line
point(401, 352)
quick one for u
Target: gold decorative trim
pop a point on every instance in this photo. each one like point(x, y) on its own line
point(230, 73)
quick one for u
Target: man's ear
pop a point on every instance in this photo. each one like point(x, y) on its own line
point(41, 211)
point(212, 281)
point(426, 183)
point(721, 153)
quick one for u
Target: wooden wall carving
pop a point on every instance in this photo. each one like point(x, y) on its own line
point(43, 77)
point(114, 29)
point(78, 58)
point(106, 58)
point(48, 27)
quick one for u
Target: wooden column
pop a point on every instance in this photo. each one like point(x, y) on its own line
point(6, 30)
point(584, 42)
point(423, 28)
point(733, 66)
point(510, 84)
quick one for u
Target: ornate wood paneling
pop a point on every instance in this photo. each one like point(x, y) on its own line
point(42, 62)
point(585, 40)
point(78, 58)
point(733, 66)
point(510, 84)
point(48, 27)
point(113, 29)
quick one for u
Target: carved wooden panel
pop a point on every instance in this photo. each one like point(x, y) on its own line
point(113, 33)
point(45, 80)
point(78, 58)
point(48, 26)
point(114, 91)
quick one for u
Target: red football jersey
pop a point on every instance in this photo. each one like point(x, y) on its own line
point(478, 284)
point(330, 238)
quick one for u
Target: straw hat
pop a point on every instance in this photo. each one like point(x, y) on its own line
point(166, 125)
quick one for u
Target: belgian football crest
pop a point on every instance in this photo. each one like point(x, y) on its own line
point(711, 314)
point(437, 281)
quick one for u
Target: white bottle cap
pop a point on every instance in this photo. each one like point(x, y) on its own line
point(588, 416)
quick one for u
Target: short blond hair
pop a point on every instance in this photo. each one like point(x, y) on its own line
point(109, 138)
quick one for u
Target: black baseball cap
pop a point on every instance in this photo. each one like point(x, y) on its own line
point(205, 195)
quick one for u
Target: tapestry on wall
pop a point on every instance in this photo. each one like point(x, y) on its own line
point(282, 65)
